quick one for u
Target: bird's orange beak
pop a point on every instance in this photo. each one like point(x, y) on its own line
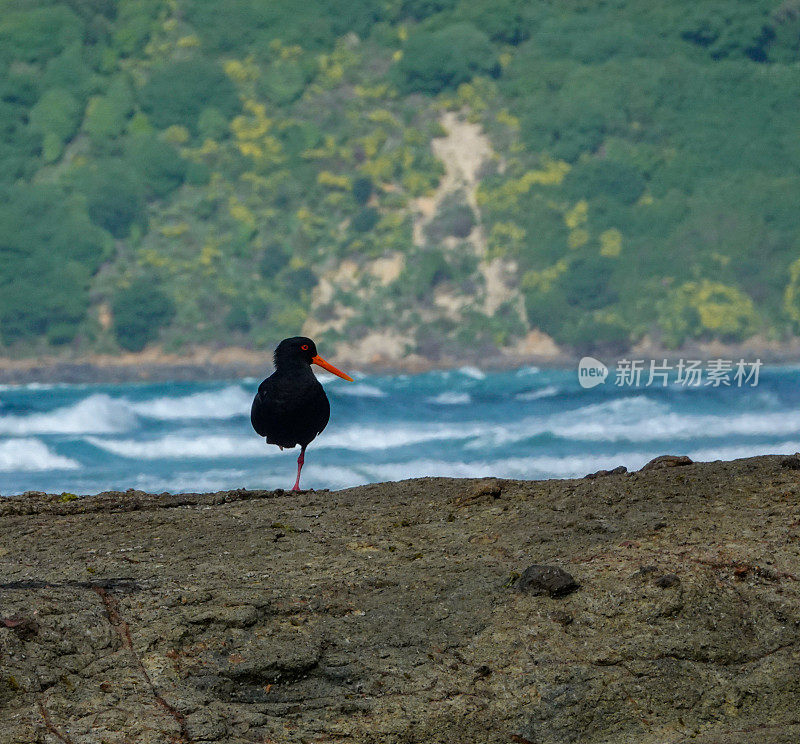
point(325, 365)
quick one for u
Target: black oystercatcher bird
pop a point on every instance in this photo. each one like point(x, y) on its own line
point(290, 406)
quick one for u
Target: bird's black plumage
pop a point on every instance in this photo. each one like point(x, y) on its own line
point(290, 407)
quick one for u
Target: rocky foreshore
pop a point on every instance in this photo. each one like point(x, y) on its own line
point(653, 607)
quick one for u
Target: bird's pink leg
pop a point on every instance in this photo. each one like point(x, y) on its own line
point(300, 461)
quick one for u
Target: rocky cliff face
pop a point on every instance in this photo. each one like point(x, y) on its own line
point(397, 612)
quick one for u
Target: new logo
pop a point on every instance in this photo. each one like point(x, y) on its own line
point(591, 372)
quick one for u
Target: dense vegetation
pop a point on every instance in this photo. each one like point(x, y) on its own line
point(188, 170)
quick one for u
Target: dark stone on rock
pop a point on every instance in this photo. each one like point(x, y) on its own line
point(550, 580)
point(667, 580)
point(561, 617)
point(792, 462)
point(619, 470)
point(667, 461)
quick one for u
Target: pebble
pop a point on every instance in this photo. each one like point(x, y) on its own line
point(550, 580)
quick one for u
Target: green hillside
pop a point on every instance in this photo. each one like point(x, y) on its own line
point(232, 171)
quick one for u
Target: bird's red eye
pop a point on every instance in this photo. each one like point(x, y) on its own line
point(304, 347)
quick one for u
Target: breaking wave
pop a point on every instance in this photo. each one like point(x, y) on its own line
point(99, 413)
point(30, 454)
point(227, 403)
point(180, 446)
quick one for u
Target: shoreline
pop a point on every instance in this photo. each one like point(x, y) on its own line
point(204, 363)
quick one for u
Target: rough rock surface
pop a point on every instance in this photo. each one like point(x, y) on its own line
point(387, 613)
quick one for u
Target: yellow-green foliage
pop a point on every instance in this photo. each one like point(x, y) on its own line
point(509, 194)
point(542, 281)
point(611, 242)
point(506, 238)
point(791, 295)
point(707, 308)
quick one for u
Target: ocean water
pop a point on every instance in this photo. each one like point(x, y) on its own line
point(526, 423)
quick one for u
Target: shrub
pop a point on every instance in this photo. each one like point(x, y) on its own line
point(106, 115)
point(504, 21)
point(114, 195)
point(69, 71)
point(365, 220)
point(300, 280)
point(37, 34)
point(178, 92)
point(547, 310)
point(435, 60)
point(362, 190)
point(587, 283)
point(275, 257)
point(197, 174)
point(453, 218)
point(421, 9)
point(159, 166)
point(56, 117)
point(140, 311)
point(212, 123)
point(135, 21)
point(238, 319)
point(424, 271)
point(596, 335)
point(49, 251)
point(283, 81)
point(605, 178)
point(706, 309)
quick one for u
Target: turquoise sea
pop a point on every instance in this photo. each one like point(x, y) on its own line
point(526, 423)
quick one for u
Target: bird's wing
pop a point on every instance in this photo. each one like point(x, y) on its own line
point(323, 413)
point(266, 408)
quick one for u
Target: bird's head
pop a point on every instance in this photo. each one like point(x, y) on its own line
point(302, 350)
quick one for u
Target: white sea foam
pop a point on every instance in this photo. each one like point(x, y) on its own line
point(191, 481)
point(96, 414)
point(472, 372)
point(638, 419)
point(525, 371)
point(537, 467)
point(734, 452)
point(358, 390)
point(43, 386)
point(185, 446)
point(102, 414)
point(451, 398)
point(314, 476)
point(546, 392)
point(30, 454)
point(396, 434)
point(681, 426)
point(227, 403)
